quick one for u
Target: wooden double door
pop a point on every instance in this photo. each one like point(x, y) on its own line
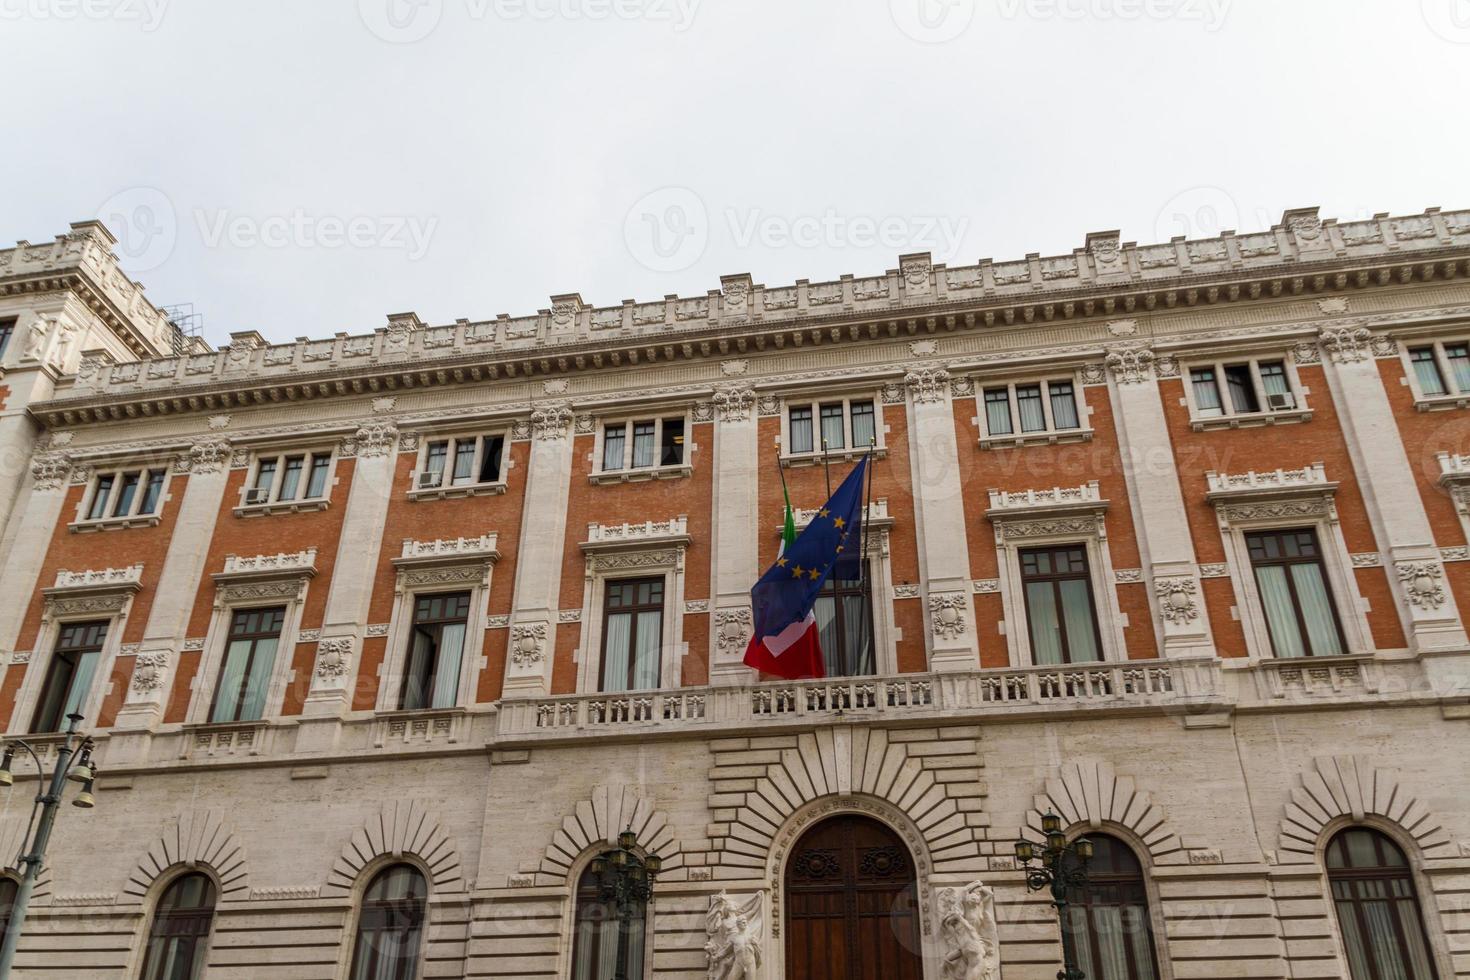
point(851, 904)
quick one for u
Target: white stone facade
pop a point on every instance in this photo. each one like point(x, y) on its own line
point(1224, 767)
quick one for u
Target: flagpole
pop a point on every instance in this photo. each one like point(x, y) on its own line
point(863, 549)
point(827, 467)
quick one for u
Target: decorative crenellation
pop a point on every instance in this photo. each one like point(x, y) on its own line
point(905, 592)
point(450, 547)
point(1128, 576)
point(607, 534)
point(696, 606)
point(985, 586)
point(1367, 559)
point(1214, 570)
point(569, 616)
point(128, 576)
point(1088, 493)
point(286, 563)
point(1309, 477)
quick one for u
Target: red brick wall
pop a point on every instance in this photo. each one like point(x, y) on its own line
point(1289, 446)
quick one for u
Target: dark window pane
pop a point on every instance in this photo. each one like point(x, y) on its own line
point(1301, 616)
point(390, 925)
point(1063, 405)
point(69, 674)
point(434, 462)
point(1276, 385)
point(1061, 612)
point(291, 478)
point(250, 657)
point(801, 430)
point(1377, 907)
point(492, 448)
point(125, 494)
point(998, 411)
point(643, 445)
point(100, 496)
point(180, 930)
point(436, 648)
point(1426, 370)
point(1109, 921)
point(1242, 391)
point(7, 330)
point(265, 474)
point(464, 461)
point(605, 943)
point(1459, 357)
point(671, 452)
point(152, 492)
point(1028, 406)
point(632, 635)
point(316, 487)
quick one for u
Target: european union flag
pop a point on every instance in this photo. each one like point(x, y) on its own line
point(785, 641)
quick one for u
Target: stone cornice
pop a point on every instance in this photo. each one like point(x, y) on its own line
point(407, 355)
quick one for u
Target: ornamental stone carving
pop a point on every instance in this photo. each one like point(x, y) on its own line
point(732, 629)
point(210, 456)
point(1130, 365)
point(1346, 345)
point(549, 422)
point(767, 406)
point(528, 644)
point(733, 404)
point(1177, 599)
point(971, 936)
point(927, 385)
point(735, 927)
point(377, 437)
point(1422, 581)
point(50, 470)
point(333, 656)
point(947, 613)
point(148, 671)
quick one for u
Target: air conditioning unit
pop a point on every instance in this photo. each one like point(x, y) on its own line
point(430, 479)
point(257, 495)
point(1280, 402)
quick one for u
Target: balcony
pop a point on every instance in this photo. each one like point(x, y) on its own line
point(1136, 686)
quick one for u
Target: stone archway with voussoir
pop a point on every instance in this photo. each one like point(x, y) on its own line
point(193, 839)
point(1092, 794)
point(398, 829)
point(1350, 786)
point(599, 820)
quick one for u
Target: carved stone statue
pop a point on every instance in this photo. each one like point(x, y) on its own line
point(971, 939)
point(735, 927)
point(36, 336)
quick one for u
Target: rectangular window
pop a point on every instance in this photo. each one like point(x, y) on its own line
point(132, 493)
point(845, 627)
point(1063, 405)
point(1300, 615)
point(1251, 388)
point(1459, 357)
point(435, 457)
point(7, 329)
point(632, 630)
point(464, 461)
point(1242, 389)
point(1028, 407)
point(643, 443)
point(671, 452)
point(284, 479)
point(469, 460)
point(1207, 402)
point(998, 411)
point(832, 426)
point(250, 656)
point(801, 429)
point(1276, 385)
point(492, 453)
point(864, 425)
point(435, 650)
point(1060, 612)
point(1427, 372)
point(69, 675)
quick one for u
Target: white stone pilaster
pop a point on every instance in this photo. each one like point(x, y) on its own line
point(939, 515)
point(28, 538)
point(1415, 570)
point(735, 549)
point(1165, 546)
point(528, 660)
point(335, 671)
point(178, 585)
point(18, 432)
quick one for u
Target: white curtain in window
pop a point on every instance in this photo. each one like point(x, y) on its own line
point(1206, 393)
point(643, 446)
point(81, 684)
point(258, 683)
point(1311, 592)
point(862, 429)
point(1384, 941)
point(417, 669)
point(613, 441)
point(230, 679)
point(1352, 941)
point(1063, 407)
point(1028, 403)
point(615, 652)
point(1046, 634)
point(645, 666)
point(1077, 925)
point(607, 955)
point(1108, 921)
point(446, 674)
point(832, 436)
point(1077, 614)
point(586, 936)
point(998, 413)
point(1286, 638)
point(635, 950)
point(859, 637)
point(825, 612)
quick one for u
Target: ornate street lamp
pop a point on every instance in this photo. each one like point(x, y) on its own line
point(1062, 867)
point(73, 761)
point(624, 882)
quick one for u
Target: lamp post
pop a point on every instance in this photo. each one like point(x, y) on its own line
point(33, 847)
point(624, 881)
point(1062, 867)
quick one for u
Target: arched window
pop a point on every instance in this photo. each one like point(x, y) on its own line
point(1109, 920)
point(1377, 908)
point(391, 925)
point(180, 931)
point(606, 947)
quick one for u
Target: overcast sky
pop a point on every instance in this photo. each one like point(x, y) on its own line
point(302, 167)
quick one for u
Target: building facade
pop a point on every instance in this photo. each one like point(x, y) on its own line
point(384, 638)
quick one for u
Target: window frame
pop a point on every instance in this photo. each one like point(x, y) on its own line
point(653, 557)
point(161, 889)
point(1055, 579)
point(447, 488)
point(414, 624)
point(1320, 561)
point(367, 877)
point(135, 516)
point(7, 335)
point(300, 502)
point(1453, 396)
point(814, 402)
point(608, 612)
point(628, 473)
point(579, 869)
point(230, 638)
point(1152, 906)
point(1229, 418)
point(110, 603)
point(53, 650)
point(1083, 432)
point(1413, 873)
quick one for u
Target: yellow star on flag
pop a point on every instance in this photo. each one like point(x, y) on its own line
point(814, 574)
point(781, 562)
point(838, 522)
point(796, 571)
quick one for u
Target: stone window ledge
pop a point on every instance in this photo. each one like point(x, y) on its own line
point(1251, 420)
point(789, 460)
point(642, 473)
point(1049, 438)
point(114, 523)
point(1441, 403)
point(463, 490)
point(282, 507)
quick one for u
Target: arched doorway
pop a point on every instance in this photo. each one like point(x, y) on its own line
point(851, 904)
